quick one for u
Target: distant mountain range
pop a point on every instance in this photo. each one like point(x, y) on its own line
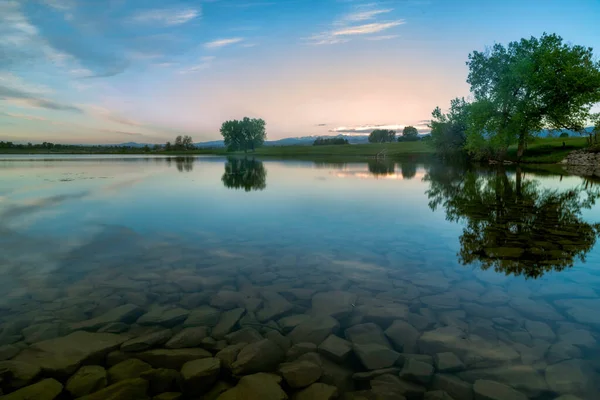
point(308, 140)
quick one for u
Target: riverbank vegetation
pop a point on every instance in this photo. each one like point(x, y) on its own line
point(518, 91)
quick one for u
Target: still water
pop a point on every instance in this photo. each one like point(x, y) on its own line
point(380, 279)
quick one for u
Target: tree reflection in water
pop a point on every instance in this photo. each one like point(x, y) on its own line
point(243, 173)
point(511, 223)
point(381, 167)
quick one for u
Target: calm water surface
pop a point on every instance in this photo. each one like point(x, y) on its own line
point(496, 270)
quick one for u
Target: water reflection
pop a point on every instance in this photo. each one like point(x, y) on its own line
point(513, 224)
point(381, 167)
point(244, 173)
point(183, 163)
point(409, 170)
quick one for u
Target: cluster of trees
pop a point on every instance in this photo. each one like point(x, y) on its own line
point(409, 134)
point(247, 134)
point(518, 90)
point(512, 224)
point(182, 143)
point(382, 136)
point(326, 141)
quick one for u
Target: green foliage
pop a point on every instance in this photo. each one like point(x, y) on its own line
point(510, 224)
point(409, 134)
point(243, 173)
point(448, 131)
point(409, 170)
point(247, 134)
point(564, 135)
point(327, 141)
point(382, 136)
point(527, 86)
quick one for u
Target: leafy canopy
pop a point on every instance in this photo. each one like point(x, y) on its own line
point(527, 86)
point(448, 131)
point(246, 134)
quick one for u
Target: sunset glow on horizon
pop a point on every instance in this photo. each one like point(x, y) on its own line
point(75, 71)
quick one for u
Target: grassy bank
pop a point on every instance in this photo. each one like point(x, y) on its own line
point(540, 151)
point(548, 150)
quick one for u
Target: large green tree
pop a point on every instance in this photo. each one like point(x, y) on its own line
point(527, 86)
point(247, 134)
point(382, 136)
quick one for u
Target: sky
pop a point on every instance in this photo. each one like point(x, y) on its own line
point(114, 71)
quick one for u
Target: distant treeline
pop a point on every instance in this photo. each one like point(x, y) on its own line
point(327, 141)
point(70, 148)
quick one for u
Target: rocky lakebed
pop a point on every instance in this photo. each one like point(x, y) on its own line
point(301, 327)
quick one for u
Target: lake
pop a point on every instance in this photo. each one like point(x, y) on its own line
point(384, 278)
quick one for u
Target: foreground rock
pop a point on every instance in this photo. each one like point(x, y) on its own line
point(199, 375)
point(371, 346)
point(187, 338)
point(259, 386)
point(165, 316)
point(314, 330)
point(20, 373)
point(129, 389)
point(317, 391)
point(336, 304)
point(572, 376)
point(417, 371)
point(262, 356)
point(126, 313)
point(128, 369)
point(171, 358)
point(203, 316)
point(147, 341)
point(299, 374)
point(336, 348)
point(48, 389)
point(490, 390)
point(86, 380)
point(226, 322)
point(404, 336)
point(61, 357)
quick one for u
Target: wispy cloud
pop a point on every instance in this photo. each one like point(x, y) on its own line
point(383, 37)
point(365, 15)
point(346, 27)
point(205, 63)
point(24, 116)
point(215, 44)
point(364, 129)
point(22, 98)
point(166, 16)
point(367, 28)
point(62, 5)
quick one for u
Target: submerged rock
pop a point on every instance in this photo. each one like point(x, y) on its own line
point(262, 356)
point(187, 338)
point(404, 336)
point(166, 316)
point(48, 389)
point(448, 362)
point(417, 371)
point(317, 391)
point(63, 356)
point(335, 348)
point(171, 358)
point(125, 390)
point(203, 316)
point(229, 354)
point(299, 374)
point(86, 380)
point(20, 373)
point(199, 375)
point(147, 341)
point(336, 304)
point(314, 330)
point(490, 390)
point(226, 322)
point(259, 386)
point(162, 380)
point(128, 369)
point(126, 313)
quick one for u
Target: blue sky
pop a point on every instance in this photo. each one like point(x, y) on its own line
point(112, 71)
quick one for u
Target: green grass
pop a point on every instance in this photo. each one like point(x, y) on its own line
point(394, 149)
point(548, 150)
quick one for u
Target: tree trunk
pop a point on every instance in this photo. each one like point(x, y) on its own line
point(520, 149)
